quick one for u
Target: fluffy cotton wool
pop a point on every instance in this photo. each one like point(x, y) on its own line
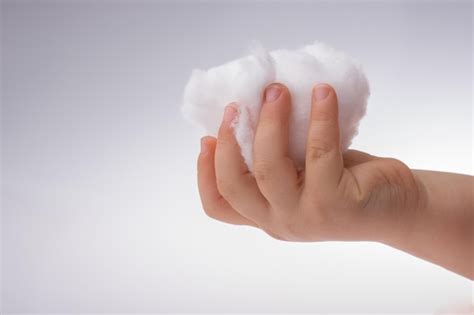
point(243, 81)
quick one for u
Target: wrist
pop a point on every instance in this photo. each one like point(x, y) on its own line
point(440, 227)
point(407, 218)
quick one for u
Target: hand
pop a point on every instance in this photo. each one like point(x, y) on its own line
point(351, 196)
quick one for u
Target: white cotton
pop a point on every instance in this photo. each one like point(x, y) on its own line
point(243, 81)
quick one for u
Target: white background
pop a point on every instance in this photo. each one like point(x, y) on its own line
point(100, 207)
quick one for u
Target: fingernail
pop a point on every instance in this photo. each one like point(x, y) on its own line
point(229, 113)
point(321, 92)
point(272, 93)
point(204, 148)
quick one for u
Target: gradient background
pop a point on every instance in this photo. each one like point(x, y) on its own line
point(100, 210)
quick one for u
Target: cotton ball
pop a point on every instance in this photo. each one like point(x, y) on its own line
point(243, 81)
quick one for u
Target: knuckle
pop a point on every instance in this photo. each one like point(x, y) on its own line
point(318, 148)
point(399, 170)
point(396, 164)
point(263, 170)
point(325, 117)
point(223, 140)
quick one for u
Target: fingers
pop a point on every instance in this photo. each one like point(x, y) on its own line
point(214, 205)
point(274, 171)
point(324, 164)
point(235, 183)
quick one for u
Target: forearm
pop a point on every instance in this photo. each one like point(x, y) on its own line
point(442, 229)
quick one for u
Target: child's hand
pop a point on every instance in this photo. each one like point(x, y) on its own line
point(354, 196)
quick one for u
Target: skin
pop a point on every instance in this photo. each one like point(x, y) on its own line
point(352, 196)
